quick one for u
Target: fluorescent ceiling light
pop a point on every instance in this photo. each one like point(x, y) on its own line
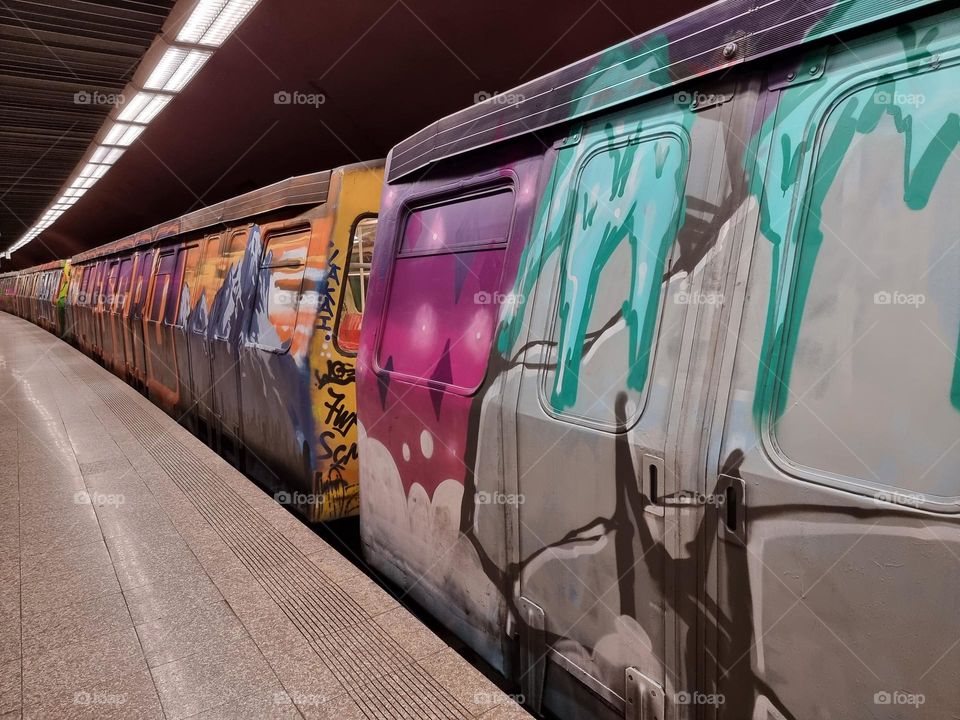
point(144, 107)
point(94, 171)
point(106, 155)
point(212, 21)
point(176, 68)
point(122, 134)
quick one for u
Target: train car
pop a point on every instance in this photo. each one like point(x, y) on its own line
point(242, 321)
point(9, 282)
point(37, 295)
point(658, 385)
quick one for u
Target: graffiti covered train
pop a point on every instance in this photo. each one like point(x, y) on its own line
point(241, 320)
point(658, 387)
point(657, 391)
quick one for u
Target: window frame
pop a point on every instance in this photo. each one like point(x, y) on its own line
point(819, 117)
point(225, 252)
point(266, 237)
point(161, 253)
point(121, 301)
point(335, 333)
point(658, 131)
point(489, 184)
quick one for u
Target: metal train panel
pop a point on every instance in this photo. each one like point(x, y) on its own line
point(662, 405)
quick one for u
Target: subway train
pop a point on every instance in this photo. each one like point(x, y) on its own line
point(657, 384)
point(241, 320)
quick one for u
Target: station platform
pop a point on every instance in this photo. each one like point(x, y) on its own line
point(141, 576)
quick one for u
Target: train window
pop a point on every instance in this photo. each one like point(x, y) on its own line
point(626, 212)
point(85, 288)
point(162, 285)
point(870, 342)
point(140, 285)
point(274, 318)
point(76, 283)
point(191, 288)
point(123, 286)
point(230, 263)
point(443, 300)
point(355, 290)
point(110, 291)
point(97, 288)
point(172, 309)
point(458, 226)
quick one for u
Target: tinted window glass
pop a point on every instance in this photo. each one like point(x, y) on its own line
point(870, 387)
point(161, 286)
point(442, 308)
point(627, 205)
point(355, 289)
point(481, 220)
point(274, 319)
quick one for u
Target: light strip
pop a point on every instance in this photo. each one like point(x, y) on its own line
point(176, 68)
point(122, 134)
point(212, 21)
point(144, 107)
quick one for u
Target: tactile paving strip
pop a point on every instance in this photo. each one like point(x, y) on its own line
point(377, 673)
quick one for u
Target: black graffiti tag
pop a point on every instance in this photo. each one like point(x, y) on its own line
point(339, 416)
point(338, 373)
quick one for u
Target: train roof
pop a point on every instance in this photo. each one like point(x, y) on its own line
point(52, 265)
point(721, 35)
point(309, 189)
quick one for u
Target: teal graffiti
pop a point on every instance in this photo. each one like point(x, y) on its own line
point(857, 115)
point(642, 204)
point(646, 219)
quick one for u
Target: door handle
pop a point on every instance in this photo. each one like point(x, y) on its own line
point(733, 517)
point(653, 484)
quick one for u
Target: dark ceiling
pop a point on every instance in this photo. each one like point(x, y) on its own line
point(386, 68)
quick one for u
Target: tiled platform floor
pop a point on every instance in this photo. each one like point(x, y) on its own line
point(142, 577)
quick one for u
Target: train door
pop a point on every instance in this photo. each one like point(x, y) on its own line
point(161, 356)
point(202, 295)
point(99, 289)
point(71, 309)
point(188, 266)
point(118, 320)
point(602, 543)
point(108, 326)
point(837, 569)
point(135, 350)
point(227, 308)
